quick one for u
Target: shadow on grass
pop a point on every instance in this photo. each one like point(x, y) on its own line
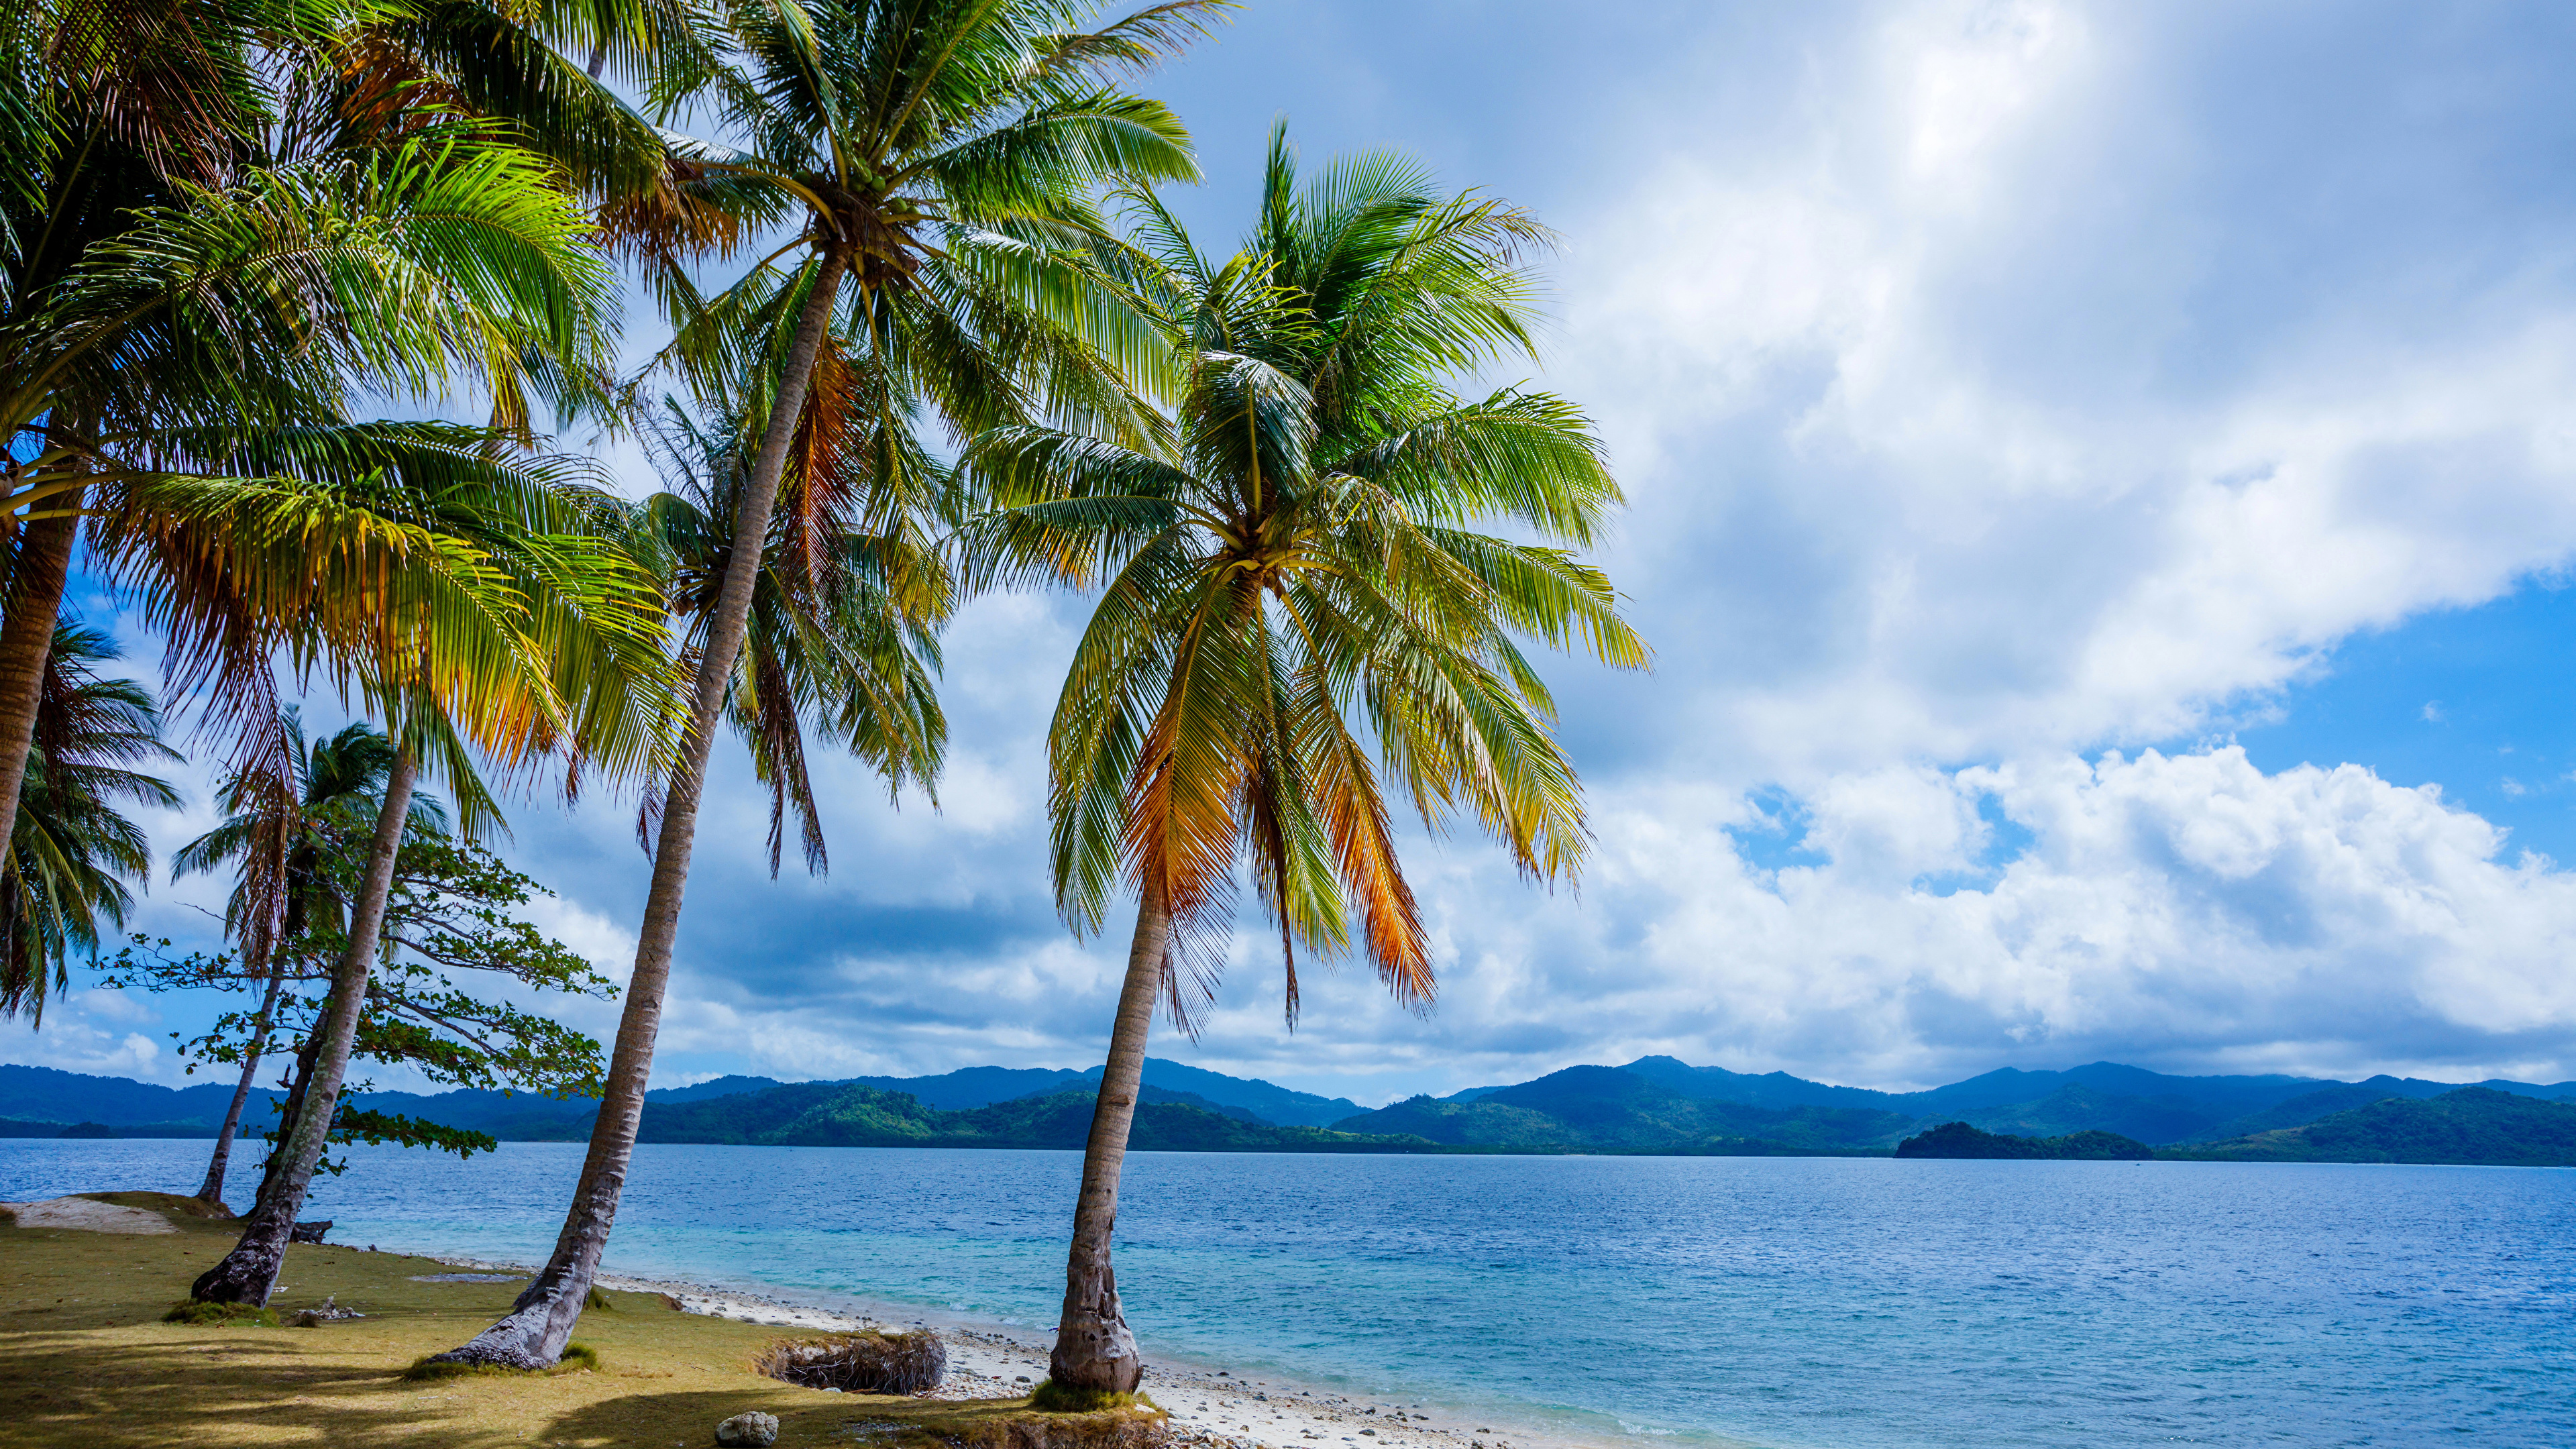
point(807, 1416)
point(67, 1390)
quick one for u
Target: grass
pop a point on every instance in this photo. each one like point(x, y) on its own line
point(240, 1315)
point(1051, 1397)
point(93, 1365)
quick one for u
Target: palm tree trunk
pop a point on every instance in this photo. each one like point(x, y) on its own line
point(26, 637)
point(248, 1274)
point(538, 1326)
point(213, 1189)
point(1093, 1349)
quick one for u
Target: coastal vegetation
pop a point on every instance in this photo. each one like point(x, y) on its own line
point(451, 908)
point(2474, 1125)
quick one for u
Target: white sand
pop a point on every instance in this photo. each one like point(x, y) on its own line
point(86, 1216)
point(1208, 1408)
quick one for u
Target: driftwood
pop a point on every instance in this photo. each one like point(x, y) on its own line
point(858, 1363)
point(309, 1232)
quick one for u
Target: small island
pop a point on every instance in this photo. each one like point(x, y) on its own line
point(1958, 1139)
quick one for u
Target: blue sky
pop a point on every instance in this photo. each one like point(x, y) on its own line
point(2101, 483)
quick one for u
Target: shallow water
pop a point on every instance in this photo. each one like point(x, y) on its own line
point(1834, 1303)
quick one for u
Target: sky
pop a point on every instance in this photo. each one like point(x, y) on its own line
point(2103, 487)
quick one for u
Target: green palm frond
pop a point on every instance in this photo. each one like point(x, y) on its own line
point(1296, 621)
point(72, 849)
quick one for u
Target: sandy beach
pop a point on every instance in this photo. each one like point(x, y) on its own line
point(1210, 1408)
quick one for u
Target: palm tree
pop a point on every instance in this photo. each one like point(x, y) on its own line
point(200, 265)
point(557, 646)
point(936, 155)
point(71, 849)
point(846, 609)
point(1292, 580)
point(277, 833)
point(216, 240)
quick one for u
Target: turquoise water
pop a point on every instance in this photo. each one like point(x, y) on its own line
point(1832, 1303)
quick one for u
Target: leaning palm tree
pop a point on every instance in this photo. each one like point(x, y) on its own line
point(72, 848)
point(934, 156)
point(541, 637)
point(1292, 582)
point(278, 836)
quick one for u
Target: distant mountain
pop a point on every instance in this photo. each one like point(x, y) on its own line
point(1265, 1101)
point(2297, 1112)
point(1959, 1140)
point(46, 1095)
point(1653, 1104)
point(1771, 1089)
point(845, 1114)
point(2471, 1125)
point(1611, 1109)
point(715, 1087)
point(971, 1087)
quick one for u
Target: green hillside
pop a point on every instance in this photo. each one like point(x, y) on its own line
point(2470, 1126)
point(1605, 1109)
point(844, 1115)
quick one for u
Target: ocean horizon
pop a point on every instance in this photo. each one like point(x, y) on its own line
point(1790, 1303)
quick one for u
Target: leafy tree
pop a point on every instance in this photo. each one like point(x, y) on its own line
point(937, 157)
point(1289, 582)
point(71, 849)
point(277, 834)
point(451, 909)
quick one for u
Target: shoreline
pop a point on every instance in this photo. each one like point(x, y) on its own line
point(1210, 1408)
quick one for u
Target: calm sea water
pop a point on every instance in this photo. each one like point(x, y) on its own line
point(1839, 1304)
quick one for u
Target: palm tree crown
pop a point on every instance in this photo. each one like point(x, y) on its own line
point(845, 614)
point(328, 801)
point(1291, 578)
point(72, 848)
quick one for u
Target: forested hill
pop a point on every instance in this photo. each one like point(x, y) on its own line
point(2472, 1126)
point(1653, 1105)
point(40, 1101)
point(835, 1114)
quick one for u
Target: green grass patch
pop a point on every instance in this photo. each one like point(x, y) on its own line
point(577, 1358)
point(1051, 1397)
point(204, 1314)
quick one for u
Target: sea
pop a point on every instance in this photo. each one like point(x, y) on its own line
point(1791, 1303)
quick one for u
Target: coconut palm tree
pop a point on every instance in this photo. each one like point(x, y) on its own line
point(72, 849)
point(844, 619)
point(208, 245)
point(1291, 583)
point(277, 835)
point(934, 157)
point(562, 649)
